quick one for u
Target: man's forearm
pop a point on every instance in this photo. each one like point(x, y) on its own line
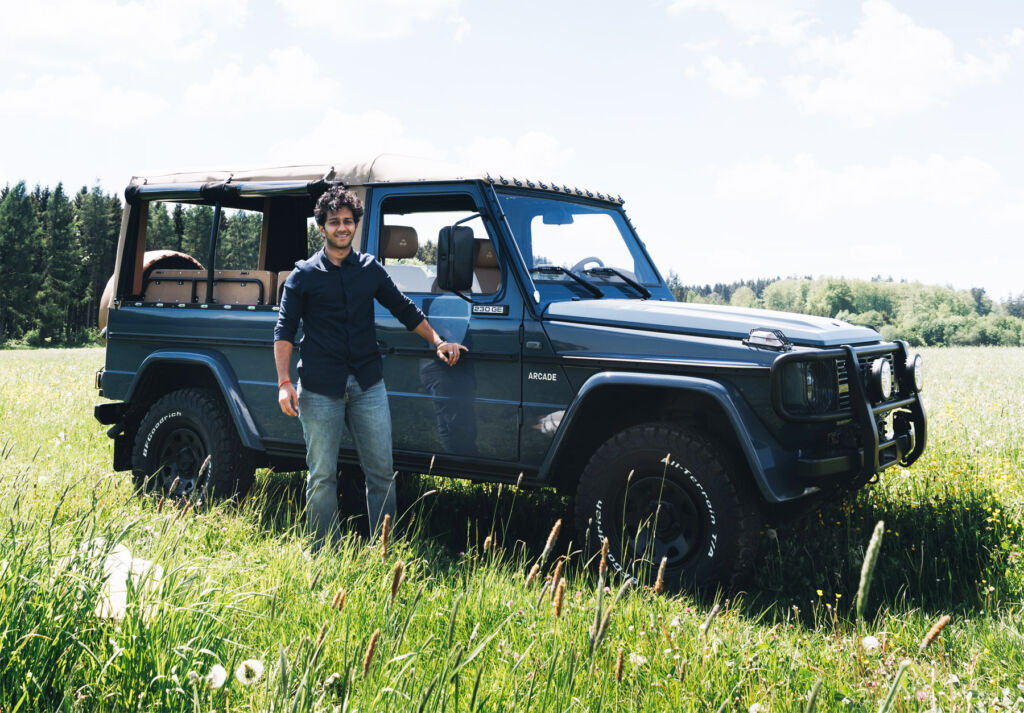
point(427, 332)
point(283, 359)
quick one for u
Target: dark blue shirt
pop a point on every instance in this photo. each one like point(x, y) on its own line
point(335, 305)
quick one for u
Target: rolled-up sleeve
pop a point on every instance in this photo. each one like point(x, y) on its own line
point(392, 298)
point(290, 310)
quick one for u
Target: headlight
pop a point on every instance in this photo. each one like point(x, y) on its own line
point(881, 378)
point(810, 387)
point(915, 374)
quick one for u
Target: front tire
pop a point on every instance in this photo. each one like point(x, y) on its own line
point(176, 435)
point(685, 501)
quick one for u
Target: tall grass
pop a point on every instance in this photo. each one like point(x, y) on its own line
point(464, 630)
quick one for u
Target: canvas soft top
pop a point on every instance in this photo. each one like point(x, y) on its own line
point(385, 168)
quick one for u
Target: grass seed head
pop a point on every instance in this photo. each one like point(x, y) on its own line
point(867, 570)
point(385, 532)
point(557, 576)
point(559, 596)
point(321, 635)
point(488, 543)
point(370, 648)
point(705, 628)
point(659, 583)
point(552, 537)
point(618, 665)
point(532, 575)
point(602, 568)
point(339, 599)
point(934, 632)
point(396, 578)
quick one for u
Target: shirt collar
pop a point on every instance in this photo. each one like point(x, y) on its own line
point(352, 258)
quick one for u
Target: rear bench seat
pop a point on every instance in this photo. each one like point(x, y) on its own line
point(237, 287)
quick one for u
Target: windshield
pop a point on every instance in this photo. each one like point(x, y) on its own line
point(556, 235)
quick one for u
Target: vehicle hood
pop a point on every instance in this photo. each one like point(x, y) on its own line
point(710, 320)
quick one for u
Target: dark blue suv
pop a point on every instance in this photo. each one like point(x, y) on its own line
point(678, 427)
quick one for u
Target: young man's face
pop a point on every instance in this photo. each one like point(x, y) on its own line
point(339, 229)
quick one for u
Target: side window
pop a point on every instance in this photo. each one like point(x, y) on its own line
point(175, 266)
point(408, 241)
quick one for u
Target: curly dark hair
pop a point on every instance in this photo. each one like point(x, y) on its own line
point(336, 198)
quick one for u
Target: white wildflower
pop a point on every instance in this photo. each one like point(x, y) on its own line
point(757, 708)
point(217, 676)
point(192, 677)
point(871, 644)
point(637, 659)
point(249, 671)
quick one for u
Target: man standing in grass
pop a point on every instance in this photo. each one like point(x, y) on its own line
point(340, 370)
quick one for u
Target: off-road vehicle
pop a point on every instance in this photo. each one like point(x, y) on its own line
point(677, 426)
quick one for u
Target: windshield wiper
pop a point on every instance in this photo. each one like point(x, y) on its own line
point(559, 270)
point(623, 276)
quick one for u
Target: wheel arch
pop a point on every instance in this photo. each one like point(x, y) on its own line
point(609, 402)
point(168, 370)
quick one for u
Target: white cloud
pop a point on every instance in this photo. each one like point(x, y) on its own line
point(1015, 38)
point(888, 67)
point(731, 78)
point(379, 19)
point(81, 96)
point(810, 191)
point(782, 21)
point(462, 27)
point(56, 32)
point(342, 136)
point(533, 155)
point(288, 83)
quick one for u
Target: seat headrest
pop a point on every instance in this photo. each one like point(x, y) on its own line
point(483, 253)
point(398, 241)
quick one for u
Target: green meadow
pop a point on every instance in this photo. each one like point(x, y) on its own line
point(449, 617)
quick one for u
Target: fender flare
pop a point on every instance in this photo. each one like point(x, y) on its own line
point(761, 452)
point(222, 373)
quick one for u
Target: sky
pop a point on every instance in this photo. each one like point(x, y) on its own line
point(749, 138)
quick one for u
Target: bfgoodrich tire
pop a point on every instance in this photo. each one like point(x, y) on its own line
point(177, 434)
point(685, 501)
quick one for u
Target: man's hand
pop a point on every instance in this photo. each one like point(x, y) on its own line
point(288, 399)
point(449, 352)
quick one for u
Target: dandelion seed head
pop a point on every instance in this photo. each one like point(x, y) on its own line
point(636, 659)
point(249, 671)
point(871, 644)
point(217, 677)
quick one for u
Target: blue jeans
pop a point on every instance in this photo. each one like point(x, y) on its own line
point(366, 415)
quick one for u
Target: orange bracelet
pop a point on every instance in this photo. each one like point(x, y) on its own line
point(286, 381)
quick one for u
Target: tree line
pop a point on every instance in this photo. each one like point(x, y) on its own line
point(56, 254)
point(57, 251)
point(923, 315)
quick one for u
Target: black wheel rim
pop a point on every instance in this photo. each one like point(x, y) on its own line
point(181, 455)
point(660, 519)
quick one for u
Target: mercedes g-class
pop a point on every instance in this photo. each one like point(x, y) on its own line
point(677, 426)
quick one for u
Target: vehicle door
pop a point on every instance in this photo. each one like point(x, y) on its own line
point(472, 409)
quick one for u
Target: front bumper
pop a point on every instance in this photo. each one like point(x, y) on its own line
point(879, 445)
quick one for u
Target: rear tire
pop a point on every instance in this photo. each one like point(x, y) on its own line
point(692, 507)
point(176, 435)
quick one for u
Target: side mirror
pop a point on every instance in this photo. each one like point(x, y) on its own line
point(455, 258)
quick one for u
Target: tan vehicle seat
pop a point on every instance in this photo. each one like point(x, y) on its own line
point(400, 242)
point(242, 287)
point(174, 286)
point(485, 266)
point(282, 277)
